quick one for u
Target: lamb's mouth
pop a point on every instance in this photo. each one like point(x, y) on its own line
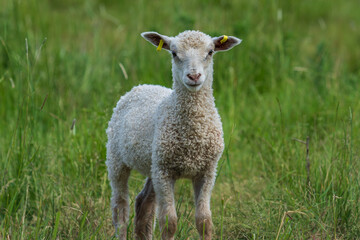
point(193, 84)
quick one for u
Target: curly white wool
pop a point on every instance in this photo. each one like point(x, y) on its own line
point(131, 128)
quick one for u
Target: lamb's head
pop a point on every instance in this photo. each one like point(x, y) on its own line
point(192, 53)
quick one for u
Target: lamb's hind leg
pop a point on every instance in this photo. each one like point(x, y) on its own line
point(145, 212)
point(120, 198)
point(202, 188)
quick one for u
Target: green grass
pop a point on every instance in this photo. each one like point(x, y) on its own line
point(296, 74)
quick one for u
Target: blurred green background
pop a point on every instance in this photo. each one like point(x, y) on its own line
point(295, 75)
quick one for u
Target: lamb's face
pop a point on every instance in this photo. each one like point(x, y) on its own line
point(192, 53)
point(192, 62)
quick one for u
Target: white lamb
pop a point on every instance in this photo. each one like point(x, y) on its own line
point(166, 135)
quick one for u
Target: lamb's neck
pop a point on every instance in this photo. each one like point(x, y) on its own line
point(193, 103)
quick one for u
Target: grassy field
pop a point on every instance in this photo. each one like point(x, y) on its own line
point(295, 77)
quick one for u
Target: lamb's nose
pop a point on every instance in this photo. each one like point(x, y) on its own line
point(194, 77)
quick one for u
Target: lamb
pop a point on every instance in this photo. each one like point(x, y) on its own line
point(166, 135)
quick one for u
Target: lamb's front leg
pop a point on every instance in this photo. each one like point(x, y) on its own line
point(202, 191)
point(164, 190)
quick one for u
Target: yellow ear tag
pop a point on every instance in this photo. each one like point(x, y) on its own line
point(225, 38)
point(160, 45)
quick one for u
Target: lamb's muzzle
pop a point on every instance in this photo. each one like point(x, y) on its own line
point(166, 135)
point(194, 77)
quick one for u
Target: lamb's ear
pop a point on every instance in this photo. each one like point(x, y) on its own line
point(155, 39)
point(225, 43)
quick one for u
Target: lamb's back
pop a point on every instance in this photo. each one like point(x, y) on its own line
point(131, 128)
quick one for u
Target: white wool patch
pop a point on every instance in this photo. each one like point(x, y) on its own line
point(131, 128)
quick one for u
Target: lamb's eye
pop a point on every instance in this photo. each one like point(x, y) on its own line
point(174, 54)
point(211, 52)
